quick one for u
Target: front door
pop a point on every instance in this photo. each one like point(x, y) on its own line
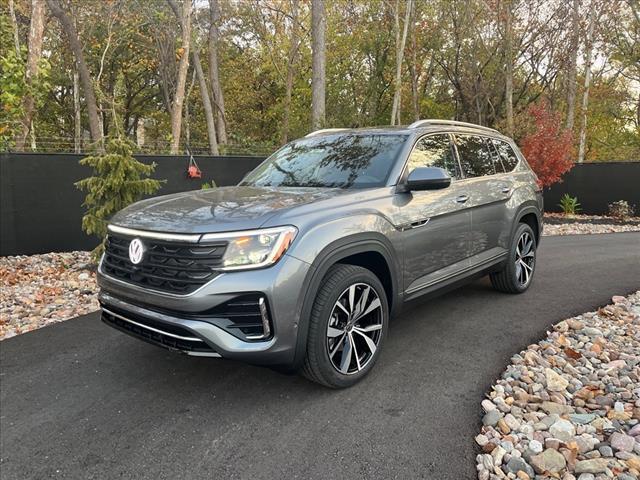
point(435, 223)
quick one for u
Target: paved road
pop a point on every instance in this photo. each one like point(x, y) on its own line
point(79, 400)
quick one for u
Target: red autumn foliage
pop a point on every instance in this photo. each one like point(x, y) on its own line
point(549, 147)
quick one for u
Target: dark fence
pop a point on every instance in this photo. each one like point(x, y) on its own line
point(41, 210)
point(597, 185)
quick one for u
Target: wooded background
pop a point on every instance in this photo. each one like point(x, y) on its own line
point(245, 76)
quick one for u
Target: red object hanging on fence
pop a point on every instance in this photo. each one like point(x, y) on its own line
point(193, 171)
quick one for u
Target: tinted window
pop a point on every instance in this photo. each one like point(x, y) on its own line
point(475, 158)
point(495, 156)
point(507, 155)
point(343, 161)
point(434, 151)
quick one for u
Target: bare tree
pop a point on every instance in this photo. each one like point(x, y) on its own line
point(83, 71)
point(294, 46)
point(400, 44)
point(573, 62)
point(206, 104)
point(508, 48)
point(587, 81)
point(14, 22)
point(202, 84)
point(414, 70)
point(318, 75)
point(183, 67)
point(214, 73)
point(77, 118)
point(36, 30)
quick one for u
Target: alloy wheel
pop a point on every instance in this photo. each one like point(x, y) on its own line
point(525, 258)
point(355, 328)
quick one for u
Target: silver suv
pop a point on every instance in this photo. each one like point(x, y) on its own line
point(302, 265)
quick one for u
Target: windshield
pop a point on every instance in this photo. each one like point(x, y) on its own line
point(334, 161)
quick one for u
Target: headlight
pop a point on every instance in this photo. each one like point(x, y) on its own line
point(254, 248)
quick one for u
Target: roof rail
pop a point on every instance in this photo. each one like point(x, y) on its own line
point(325, 130)
point(455, 123)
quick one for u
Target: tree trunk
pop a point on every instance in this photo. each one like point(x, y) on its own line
point(214, 72)
point(508, 36)
point(139, 132)
point(400, 44)
point(587, 83)
point(77, 118)
point(415, 73)
point(36, 30)
point(16, 33)
point(573, 65)
point(204, 89)
point(83, 71)
point(206, 104)
point(318, 75)
point(183, 67)
point(291, 60)
point(187, 113)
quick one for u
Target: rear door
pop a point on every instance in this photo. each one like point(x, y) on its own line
point(490, 189)
point(435, 224)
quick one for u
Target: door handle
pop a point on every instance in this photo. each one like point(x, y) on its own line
point(462, 198)
point(505, 189)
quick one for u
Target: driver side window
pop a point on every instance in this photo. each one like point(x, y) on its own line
point(434, 151)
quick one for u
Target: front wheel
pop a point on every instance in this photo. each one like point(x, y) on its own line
point(347, 327)
point(517, 274)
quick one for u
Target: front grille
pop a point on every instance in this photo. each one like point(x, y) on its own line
point(165, 335)
point(173, 267)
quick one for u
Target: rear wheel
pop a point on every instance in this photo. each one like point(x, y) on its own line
point(347, 327)
point(517, 274)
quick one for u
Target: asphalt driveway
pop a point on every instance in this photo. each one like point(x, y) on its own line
point(80, 400)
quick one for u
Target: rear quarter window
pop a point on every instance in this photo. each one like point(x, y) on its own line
point(495, 156)
point(507, 155)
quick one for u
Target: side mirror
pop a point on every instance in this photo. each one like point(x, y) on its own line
point(428, 178)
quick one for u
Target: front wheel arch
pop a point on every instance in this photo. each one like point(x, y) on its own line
point(331, 255)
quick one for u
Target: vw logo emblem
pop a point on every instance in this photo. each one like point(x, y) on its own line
point(136, 251)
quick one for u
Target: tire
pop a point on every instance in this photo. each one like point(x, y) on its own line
point(335, 334)
point(510, 278)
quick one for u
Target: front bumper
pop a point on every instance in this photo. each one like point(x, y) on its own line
point(174, 321)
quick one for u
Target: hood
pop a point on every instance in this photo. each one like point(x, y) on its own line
point(217, 209)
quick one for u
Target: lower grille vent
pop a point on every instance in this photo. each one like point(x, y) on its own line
point(172, 337)
point(247, 316)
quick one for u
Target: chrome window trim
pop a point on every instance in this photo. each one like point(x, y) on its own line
point(170, 237)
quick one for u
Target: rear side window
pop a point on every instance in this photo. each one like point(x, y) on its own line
point(507, 155)
point(434, 151)
point(475, 157)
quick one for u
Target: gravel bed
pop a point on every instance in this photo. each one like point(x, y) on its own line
point(558, 224)
point(38, 290)
point(568, 407)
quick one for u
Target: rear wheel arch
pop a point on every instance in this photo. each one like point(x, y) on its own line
point(365, 250)
point(530, 214)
